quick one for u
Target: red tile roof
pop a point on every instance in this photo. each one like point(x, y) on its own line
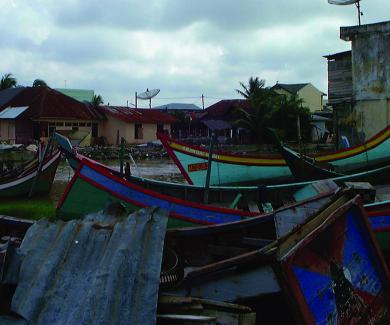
point(139, 115)
point(47, 103)
point(223, 107)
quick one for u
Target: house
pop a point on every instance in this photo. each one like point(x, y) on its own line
point(174, 107)
point(29, 113)
point(370, 75)
point(221, 116)
point(134, 125)
point(311, 96)
point(320, 132)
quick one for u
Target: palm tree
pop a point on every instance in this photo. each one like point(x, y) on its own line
point(255, 87)
point(257, 118)
point(96, 100)
point(7, 81)
point(39, 83)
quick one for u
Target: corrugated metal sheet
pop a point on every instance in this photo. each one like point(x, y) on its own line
point(12, 112)
point(92, 271)
point(137, 115)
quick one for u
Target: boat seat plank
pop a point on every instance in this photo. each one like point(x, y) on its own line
point(253, 207)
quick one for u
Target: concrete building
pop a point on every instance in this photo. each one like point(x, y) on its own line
point(311, 96)
point(370, 75)
point(136, 126)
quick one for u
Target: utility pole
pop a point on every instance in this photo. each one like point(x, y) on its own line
point(202, 101)
point(359, 12)
point(136, 100)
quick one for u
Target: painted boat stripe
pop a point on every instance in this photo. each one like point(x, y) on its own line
point(237, 159)
point(207, 214)
point(31, 175)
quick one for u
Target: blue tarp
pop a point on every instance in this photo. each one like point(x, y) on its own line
point(92, 271)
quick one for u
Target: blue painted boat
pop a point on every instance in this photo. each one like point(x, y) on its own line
point(93, 186)
point(329, 270)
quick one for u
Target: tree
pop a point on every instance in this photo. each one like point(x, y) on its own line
point(96, 100)
point(285, 117)
point(254, 88)
point(268, 109)
point(39, 83)
point(7, 81)
point(262, 106)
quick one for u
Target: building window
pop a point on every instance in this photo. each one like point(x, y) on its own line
point(60, 123)
point(68, 124)
point(138, 131)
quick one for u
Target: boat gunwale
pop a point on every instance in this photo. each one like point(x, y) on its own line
point(268, 160)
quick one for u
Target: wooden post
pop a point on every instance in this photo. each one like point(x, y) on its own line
point(40, 166)
point(208, 175)
point(121, 156)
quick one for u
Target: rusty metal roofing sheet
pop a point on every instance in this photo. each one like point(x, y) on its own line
point(92, 271)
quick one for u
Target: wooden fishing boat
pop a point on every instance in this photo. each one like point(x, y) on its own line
point(232, 168)
point(379, 217)
point(304, 168)
point(93, 186)
point(20, 182)
point(260, 199)
point(328, 270)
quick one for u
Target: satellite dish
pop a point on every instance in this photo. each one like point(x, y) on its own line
point(342, 2)
point(348, 2)
point(148, 94)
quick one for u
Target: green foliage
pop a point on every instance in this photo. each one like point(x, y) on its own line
point(180, 116)
point(7, 81)
point(285, 118)
point(96, 100)
point(254, 88)
point(39, 83)
point(271, 110)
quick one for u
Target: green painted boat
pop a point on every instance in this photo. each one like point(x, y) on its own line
point(229, 168)
point(21, 184)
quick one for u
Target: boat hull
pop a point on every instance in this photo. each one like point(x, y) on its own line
point(379, 217)
point(21, 186)
point(92, 187)
point(229, 169)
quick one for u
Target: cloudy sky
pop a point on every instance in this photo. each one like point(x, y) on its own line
point(183, 47)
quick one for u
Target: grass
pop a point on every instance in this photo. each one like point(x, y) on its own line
point(34, 208)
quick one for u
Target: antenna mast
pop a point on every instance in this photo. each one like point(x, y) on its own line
point(359, 11)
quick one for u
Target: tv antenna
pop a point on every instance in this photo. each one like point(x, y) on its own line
point(348, 2)
point(148, 94)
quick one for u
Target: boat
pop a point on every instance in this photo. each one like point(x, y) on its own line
point(379, 217)
point(227, 168)
point(35, 177)
point(305, 168)
point(327, 270)
point(93, 186)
